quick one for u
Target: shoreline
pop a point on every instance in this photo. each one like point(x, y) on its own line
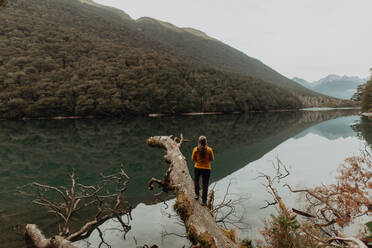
point(155, 115)
point(327, 108)
point(257, 111)
point(51, 118)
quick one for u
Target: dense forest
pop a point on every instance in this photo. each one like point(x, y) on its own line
point(67, 58)
point(366, 96)
point(363, 95)
point(216, 53)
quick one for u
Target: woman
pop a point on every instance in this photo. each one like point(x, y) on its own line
point(202, 155)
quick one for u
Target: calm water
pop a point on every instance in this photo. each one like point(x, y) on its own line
point(312, 143)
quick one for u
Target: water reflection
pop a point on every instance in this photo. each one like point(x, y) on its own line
point(333, 129)
point(313, 156)
point(364, 129)
point(46, 151)
point(313, 159)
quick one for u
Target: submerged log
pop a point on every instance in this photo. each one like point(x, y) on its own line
point(201, 228)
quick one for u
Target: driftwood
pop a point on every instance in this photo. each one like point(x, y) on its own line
point(201, 228)
point(38, 239)
point(71, 201)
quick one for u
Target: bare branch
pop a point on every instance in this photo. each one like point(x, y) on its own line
point(268, 204)
point(328, 209)
point(302, 213)
point(106, 197)
point(103, 242)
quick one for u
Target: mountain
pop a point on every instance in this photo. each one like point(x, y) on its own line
point(342, 87)
point(116, 11)
point(215, 53)
point(333, 129)
point(366, 96)
point(189, 41)
point(79, 58)
point(302, 81)
point(192, 42)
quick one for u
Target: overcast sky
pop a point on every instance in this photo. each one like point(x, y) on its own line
point(303, 38)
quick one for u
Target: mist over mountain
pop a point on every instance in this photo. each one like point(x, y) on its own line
point(79, 58)
point(302, 81)
point(342, 87)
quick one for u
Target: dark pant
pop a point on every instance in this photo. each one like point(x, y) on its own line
point(205, 173)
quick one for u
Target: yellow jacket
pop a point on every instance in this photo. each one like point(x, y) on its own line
point(203, 163)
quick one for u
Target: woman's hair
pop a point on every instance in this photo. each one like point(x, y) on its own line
point(202, 146)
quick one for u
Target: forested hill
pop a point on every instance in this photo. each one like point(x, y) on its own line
point(214, 52)
point(71, 57)
point(188, 42)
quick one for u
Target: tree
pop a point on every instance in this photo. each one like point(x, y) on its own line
point(328, 210)
point(106, 197)
point(367, 97)
point(357, 96)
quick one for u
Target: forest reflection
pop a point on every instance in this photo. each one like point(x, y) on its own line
point(46, 151)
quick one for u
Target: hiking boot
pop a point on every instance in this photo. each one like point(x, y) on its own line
point(197, 197)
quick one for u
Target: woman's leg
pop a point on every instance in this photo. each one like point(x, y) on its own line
point(196, 182)
point(205, 178)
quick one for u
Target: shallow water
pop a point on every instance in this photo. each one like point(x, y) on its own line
point(312, 143)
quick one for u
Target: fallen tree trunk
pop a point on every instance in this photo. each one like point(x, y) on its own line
point(40, 241)
point(201, 228)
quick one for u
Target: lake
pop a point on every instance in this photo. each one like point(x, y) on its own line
point(311, 143)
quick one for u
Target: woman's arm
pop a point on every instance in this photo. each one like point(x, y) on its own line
point(211, 155)
point(193, 156)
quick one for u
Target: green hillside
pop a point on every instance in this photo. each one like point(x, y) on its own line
point(214, 52)
point(76, 58)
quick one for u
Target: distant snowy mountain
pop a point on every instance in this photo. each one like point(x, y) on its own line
point(333, 85)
